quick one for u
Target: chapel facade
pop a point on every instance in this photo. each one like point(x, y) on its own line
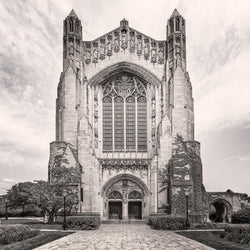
point(123, 100)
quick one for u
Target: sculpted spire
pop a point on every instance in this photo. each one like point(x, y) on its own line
point(72, 39)
point(176, 41)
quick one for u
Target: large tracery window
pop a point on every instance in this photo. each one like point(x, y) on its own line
point(124, 114)
point(107, 124)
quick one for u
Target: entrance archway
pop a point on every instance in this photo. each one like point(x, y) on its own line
point(125, 198)
point(220, 210)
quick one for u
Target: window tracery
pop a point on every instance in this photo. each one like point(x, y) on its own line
point(124, 114)
point(134, 195)
point(115, 195)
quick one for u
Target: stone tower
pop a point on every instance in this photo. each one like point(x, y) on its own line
point(122, 99)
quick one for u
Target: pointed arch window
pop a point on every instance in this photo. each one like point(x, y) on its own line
point(77, 27)
point(177, 24)
point(124, 114)
point(71, 25)
point(171, 26)
point(107, 123)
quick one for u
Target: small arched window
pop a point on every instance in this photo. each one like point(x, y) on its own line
point(177, 24)
point(77, 27)
point(65, 27)
point(71, 25)
point(171, 26)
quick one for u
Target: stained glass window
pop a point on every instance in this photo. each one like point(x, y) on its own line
point(142, 123)
point(124, 93)
point(130, 123)
point(119, 123)
point(107, 124)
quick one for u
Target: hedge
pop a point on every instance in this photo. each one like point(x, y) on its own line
point(81, 222)
point(241, 216)
point(10, 234)
point(237, 234)
point(167, 222)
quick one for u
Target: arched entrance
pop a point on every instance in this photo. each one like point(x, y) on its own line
point(125, 197)
point(220, 210)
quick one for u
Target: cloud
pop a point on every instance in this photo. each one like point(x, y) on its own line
point(8, 180)
point(218, 52)
point(241, 158)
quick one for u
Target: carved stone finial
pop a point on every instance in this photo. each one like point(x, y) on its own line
point(124, 24)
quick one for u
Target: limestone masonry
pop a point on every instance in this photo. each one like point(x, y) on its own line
point(125, 117)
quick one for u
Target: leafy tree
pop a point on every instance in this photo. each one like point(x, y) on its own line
point(20, 194)
point(49, 195)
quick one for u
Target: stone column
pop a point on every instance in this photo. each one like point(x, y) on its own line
point(125, 210)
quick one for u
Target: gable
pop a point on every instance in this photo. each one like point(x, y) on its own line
point(124, 40)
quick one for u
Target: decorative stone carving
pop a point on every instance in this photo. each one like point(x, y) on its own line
point(153, 53)
point(124, 39)
point(146, 49)
point(177, 39)
point(116, 42)
point(87, 56)
point(96, 117)
point(125, 86)
point(102, 49)
point(139, 45)
point(109, 45)
point(153, 118)
point(95, 52)
point(115, 195)
point(132, 41)
point(135, 195)
point(132, 168)
point(124, 44)
point(143, 163)
point(161, 53)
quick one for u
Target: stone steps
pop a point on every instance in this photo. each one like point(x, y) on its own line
point(123, 222)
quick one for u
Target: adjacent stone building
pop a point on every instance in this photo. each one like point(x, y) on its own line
point(125, 117)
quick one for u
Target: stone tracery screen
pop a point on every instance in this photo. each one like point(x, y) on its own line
point(124, 114)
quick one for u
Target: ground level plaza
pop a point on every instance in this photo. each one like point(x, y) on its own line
point(124, 236)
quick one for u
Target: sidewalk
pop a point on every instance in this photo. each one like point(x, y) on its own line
point(124, 236)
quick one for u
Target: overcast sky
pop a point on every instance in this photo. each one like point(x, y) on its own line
point(218, 56)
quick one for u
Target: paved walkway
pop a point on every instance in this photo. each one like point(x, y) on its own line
point(124, 236)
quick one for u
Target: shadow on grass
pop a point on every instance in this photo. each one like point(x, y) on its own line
point(39, 240)
point(212, 239)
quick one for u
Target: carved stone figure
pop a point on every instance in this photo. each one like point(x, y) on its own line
point(124, 41)
point(161, 54)
point(132, 41)
point(87, 56)
point(146, 49)
point(109, 48)
point(102, 49)
point(116, 42)
point(95, 52)
point(139, 45)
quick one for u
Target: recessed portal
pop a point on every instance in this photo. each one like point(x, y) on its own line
point(115, 210)
point(134, 210)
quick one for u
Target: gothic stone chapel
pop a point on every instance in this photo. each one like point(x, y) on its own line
point(122, 100)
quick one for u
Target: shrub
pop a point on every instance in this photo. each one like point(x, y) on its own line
point(10, 234)
point(237, 234)
point(241, 216)
point(167, 222)
point(204, 225)
point(82, 222)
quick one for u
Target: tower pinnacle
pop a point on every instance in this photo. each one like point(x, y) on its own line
point(72, 13)
point(175, 13)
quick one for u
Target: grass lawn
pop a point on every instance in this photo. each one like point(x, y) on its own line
point(39, 240)
point(32, 223)
point(212, 239)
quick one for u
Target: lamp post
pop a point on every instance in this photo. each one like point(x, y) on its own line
point(6, 208)
point(186, 195)
point(64, 212)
